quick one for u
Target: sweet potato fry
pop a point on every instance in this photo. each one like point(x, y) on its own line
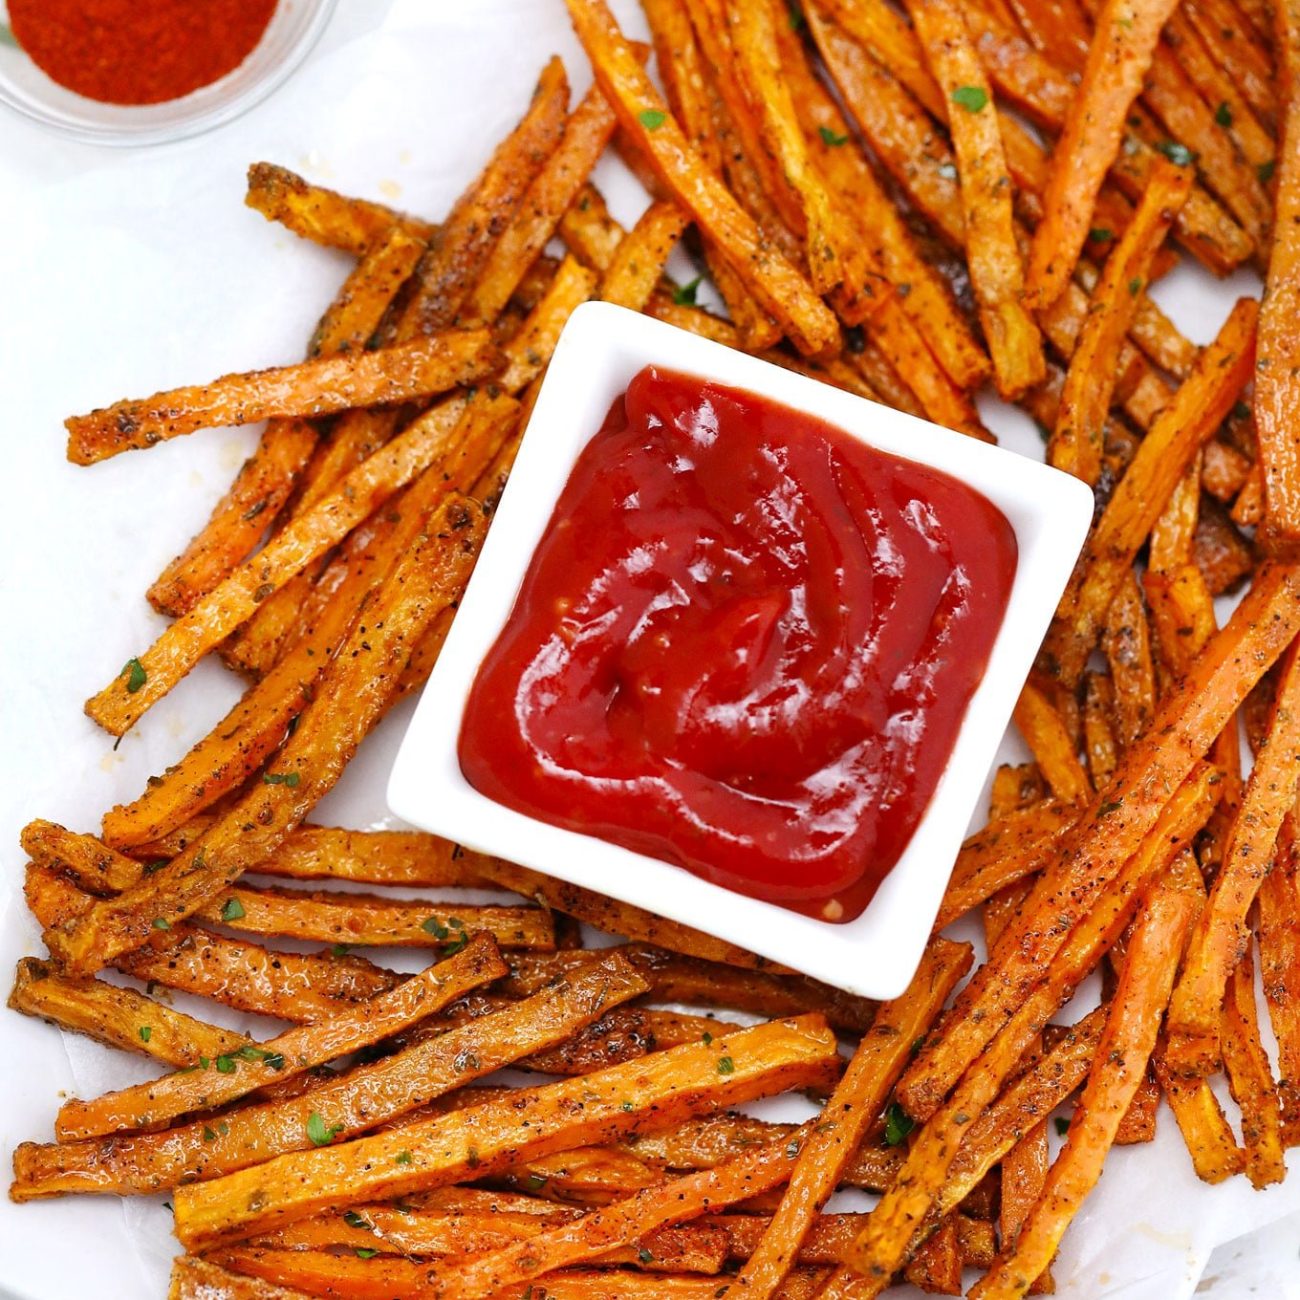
point(1250, 1078)
point(156, 1103)
point(617, 917)
point(1190, 718)
point(588, 1239)
point(859, 1097)
point(1279, 953)
point(344, 1105)
point(90, 862)
point(1242, 58)
point(1118, 59)
point(317, 387)
point(1077, 438)
point(201, 1279)
point(554, 188)
point(265, 480)
point(837, 262)
point(324, 216)
point(625, 1099)
point(996, 269)
point(1044, 731)
point(1126, 1045)
point(1220, 936)
point(117, 1017)
point(298, 987)
point(457, 258)
point(1100, 744)
point(677, 978)
point(1276, 379)
point(323, 916)
point(936, 1266)
point(1126, 642)
point(1178, 433)
point(1209, 1140)
point(529, 351)
point(1008, 849)
point(353, 692)
point(778, 286)
point(638, 262)
point(912, 1198)
point(928, 299)
point(428, 440)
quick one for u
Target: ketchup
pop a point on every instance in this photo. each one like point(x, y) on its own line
point(745, 645)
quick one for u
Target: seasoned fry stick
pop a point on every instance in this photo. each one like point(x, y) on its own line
point(325, 217)
point(827, 1151)
point(625, 1099)
point(428, 440)
point(1220, 937)
point(1178, 433)
point(554, 188)
point(777, 285)
point(353, 694)
point(318, 387)
point(298, 987)
point(368, 919)
point(258, 723)
point(90, 862)
point(1045, 733)
point(1118, 59)
point(1279, 952)
point(264, 481)
point(1277, 381)
point(345, 1105)
point(638, 261)
point(912, 1198)
point(1076, 442)
point(117, 1017)
point(1122, 1054)
point(1126, 642)
point(154, 1104)
point(588, 1239)
point(614, 916)
point(1250, 1078)
point(996, 269)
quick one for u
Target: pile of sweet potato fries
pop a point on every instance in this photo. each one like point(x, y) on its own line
point(906, 203)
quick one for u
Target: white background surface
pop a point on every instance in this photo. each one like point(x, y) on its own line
point(122, 273)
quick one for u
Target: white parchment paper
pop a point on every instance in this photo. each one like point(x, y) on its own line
point(125, 272)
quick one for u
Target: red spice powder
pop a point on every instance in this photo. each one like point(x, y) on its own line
point(138, 51)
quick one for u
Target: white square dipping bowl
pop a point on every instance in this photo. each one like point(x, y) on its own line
point(876, 955)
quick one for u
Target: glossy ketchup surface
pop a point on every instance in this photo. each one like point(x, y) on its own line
point(745, 645)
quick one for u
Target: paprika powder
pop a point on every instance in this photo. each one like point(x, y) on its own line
point(138, 51)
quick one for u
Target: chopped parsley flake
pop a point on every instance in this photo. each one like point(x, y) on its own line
point(971, 98)
point(133, 671)
point(652, 118)
point(898, 1124)
point(320, 1135)
point(233, 910)
point(832, 138)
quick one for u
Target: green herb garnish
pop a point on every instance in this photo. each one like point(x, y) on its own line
point(971, 98)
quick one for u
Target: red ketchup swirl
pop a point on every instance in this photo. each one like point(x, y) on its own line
point(745, 645)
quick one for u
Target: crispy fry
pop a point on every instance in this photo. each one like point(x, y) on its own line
point(428, 440)
point(1122, 1054)
point(325, 217)
point(553, 190)
point(1126, 641)
point(1190, 718)
point(156, 1103)
point(1118, 59)
point(1279, 953)
point(530, 350)
point(911, 1200)
point(1008, 849)
point(1276, 377)
point(1100, 745)
point(1220, 937)
point(618, 918)
point(936, 1266)
point(1045, 733)
point(360, 1100)
point(1178, 433)
point(996, 269)
point(265, 480)
point(624, 1099)
point(859, 1097)
point(677, 978)
point(117, 1017)
point(201, 1279)
point(777, 285)
point(1250, 1077)
point(638, 261)
point(323, 916)
point(1077, 438)
point(1244, 60)
point(317, 387)
point(352, 695)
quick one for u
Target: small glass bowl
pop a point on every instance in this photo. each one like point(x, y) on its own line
point(294, 29)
